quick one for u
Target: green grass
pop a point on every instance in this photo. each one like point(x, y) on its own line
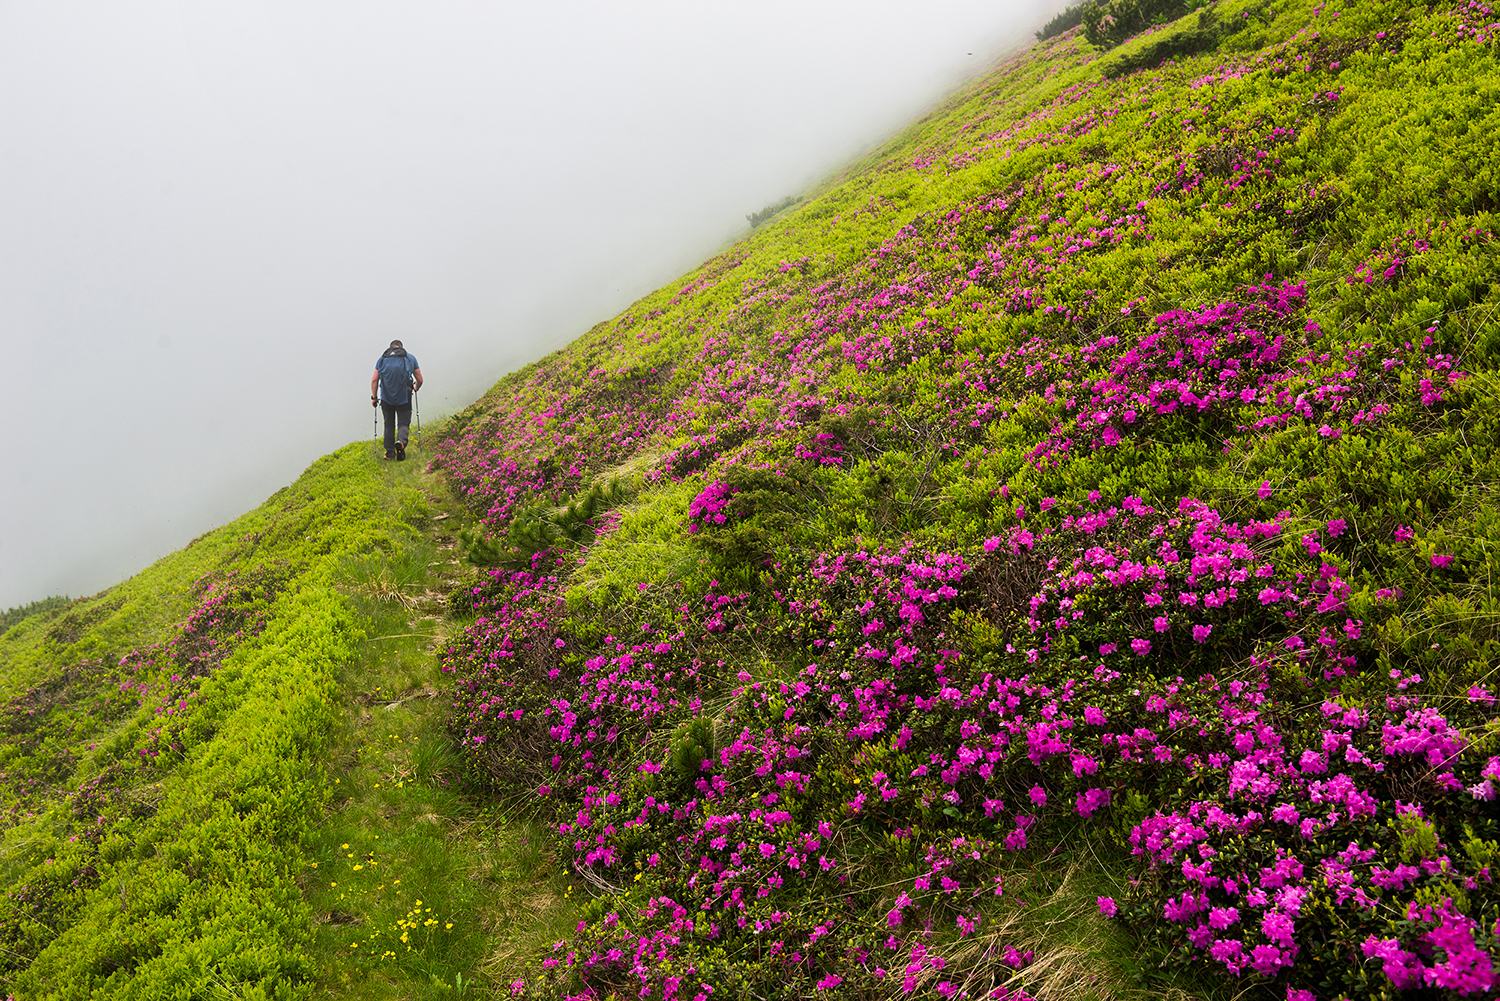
point(255, 790)
point(314, 722)
point(472, 889)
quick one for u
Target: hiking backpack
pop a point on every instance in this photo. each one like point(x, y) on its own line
point(395, 375)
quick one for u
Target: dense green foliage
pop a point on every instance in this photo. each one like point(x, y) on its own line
point(1065, 20)
point(45, 606)
point(1105, 465)
point(1110, 22)
point(765, 215)
point(163, 769)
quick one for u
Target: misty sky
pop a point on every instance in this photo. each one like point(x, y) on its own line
point(213, 217)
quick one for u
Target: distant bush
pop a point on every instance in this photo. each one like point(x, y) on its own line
point(11, 616)
point(758, 219)
point(1068, 19)
point(539, 525)
point(1181, 41)
point(1107, 23)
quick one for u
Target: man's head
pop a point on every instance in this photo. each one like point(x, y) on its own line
point(396, 344)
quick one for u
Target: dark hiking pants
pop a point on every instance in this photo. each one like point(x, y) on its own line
point(397, 421)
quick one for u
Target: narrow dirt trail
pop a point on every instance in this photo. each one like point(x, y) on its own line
point(423, 888)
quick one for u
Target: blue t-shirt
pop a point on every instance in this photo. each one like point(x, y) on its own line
point(395, 375)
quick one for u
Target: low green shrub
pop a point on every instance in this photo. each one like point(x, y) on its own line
point(160, 795)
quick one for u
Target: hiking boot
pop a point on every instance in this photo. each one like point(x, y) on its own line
point(400, 451)
point(390, 455)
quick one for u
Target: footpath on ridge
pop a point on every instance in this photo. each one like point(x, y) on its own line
point(419, 889)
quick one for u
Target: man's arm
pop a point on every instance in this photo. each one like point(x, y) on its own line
point(374, 382)
point(417, 375)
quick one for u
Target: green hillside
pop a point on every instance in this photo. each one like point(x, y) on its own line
point(1054, 558)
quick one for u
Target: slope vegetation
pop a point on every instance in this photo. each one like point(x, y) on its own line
point(1055, 556)
point(229, 776)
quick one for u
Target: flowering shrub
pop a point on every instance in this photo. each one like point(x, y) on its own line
point(766, 828)
point(1111, 459)
point(708, 508)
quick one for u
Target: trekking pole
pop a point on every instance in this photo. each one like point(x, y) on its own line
point(418, 408)
point(374, 429)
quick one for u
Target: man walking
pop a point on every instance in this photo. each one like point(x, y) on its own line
point(396, 377)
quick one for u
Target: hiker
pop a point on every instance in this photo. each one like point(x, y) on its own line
point(396, 377)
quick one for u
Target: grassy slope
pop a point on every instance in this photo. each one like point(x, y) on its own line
point(192, 755)
point(808, 517)
point(817, 514)
point(156, 775)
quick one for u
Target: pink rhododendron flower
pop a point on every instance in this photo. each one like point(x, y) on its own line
point(1091, 800)
point(1400, 966)
point(1230, 952)
point(1278, 928)
point(1221, 918)
point(1266, 959)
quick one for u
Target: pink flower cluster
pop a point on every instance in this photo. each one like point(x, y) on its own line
point(1455, 961)
point(709, 507)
